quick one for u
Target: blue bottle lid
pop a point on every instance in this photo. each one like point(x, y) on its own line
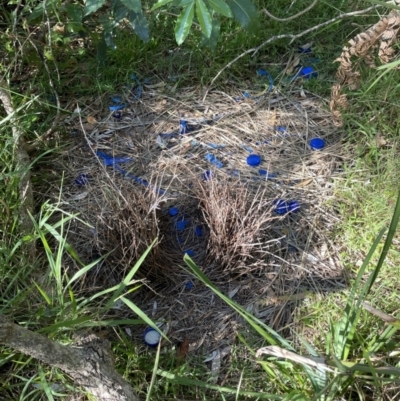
point(173, 211)
point(181, 225)
point(294, 206)
point(151, 337)
point(81, 180)
point(317, 143)
point(189, 285)
point(189, 252)
point(253, 160)
point(308, 72)
point(281, 206)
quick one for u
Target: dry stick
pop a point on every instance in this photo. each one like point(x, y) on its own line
point(265, 11)
point(291, 36)
point(90, 363)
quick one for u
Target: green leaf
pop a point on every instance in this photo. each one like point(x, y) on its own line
point(38, 11)
point(140, 25)
point(134, 5)
point(119, 11)
point(92, 6)
point(211, 42)
point(74, 12)
point(245, 12)
point(160, 3)
point(221, 7)
point(204, 17)
point(183, 23)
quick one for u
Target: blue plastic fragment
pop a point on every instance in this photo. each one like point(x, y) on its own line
point(117, 115)
point(81, 180)
point(280, 128)
point(189, 284)
point(215, 146)
point(116, 99)
point(173, 211)
point(281, 206)
point(308, 72)
point(267, 173)
point(213, 160)
point(293, 206)
point(184, 129)
point(181, 225)
point(190, 252)
point(208, 175)
point(199, 231)
point(117, 107)
point(246, 95)
point(269, 76)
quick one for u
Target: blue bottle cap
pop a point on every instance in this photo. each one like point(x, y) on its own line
point(308, 72)
point(199, 231)
point(189, 285)
point(317, 143)
point(189, 252)
point(281, 206)
point(81, 180)
point(294, 206)
point(173, 211)
point(151, 337)
point(253, 160)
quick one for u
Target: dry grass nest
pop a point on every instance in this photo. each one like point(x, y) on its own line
point(169, 187)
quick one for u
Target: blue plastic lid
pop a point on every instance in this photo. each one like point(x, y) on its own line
point(294, 206)
point(181, 225)
point(308, 72)
point(173, 211)
point(254, 160)
point(281, 206)
point(81, 180)
point(189, 285)
point(151, 337)
point(317, 143)
point(189, 252)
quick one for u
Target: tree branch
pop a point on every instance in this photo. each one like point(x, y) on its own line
point(90, 363)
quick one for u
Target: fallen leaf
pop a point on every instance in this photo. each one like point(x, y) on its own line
point(91, 120)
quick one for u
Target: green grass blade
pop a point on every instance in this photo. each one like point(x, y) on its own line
point(129, 277)
point(154, 375)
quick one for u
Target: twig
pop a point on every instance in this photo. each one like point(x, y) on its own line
point(265, 11)
point(291, 36)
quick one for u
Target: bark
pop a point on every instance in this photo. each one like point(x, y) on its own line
point(89, 363)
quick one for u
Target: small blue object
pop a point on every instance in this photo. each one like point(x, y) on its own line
point(279, 128)
point(246, 95)
point(281, 206)
point(117, 107)
point(189, 252)
point(181, 225)
point(308, 72)
point(267, 173)
point(173, 211)
point(82, 180)
point(253, 160)
point(151, 337)
point(293, 206)
point(138, 89)
point(189, 285)
point(213, 160)
point(199, 231)
point(116, 99)
point(208, 175)
point(117, 115)
point(183, 127)
point(317, 143)
point(110, 160)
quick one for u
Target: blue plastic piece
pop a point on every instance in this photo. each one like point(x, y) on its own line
point(213, 160)
point(281, 206)
point(117, 107)
point(116, 99)
point(117, 115)
point(269, 76)
point(293, 206)
point(280, 128)
point(267, 173)
point(246, 95)
point(215, 146)
point(190, 252)
point(308, 72)
point(183, 127)
point(81, 180)
point(317, 143)
point(189, 285)
point(138, 89)
point(173, 211)
point(208, 175)
point(199, 231)
point(254, 160)
point(181, 225)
